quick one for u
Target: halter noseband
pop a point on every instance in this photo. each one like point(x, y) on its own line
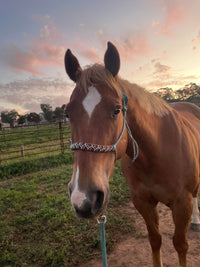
point(111, 148)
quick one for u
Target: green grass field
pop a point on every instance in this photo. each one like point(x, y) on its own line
point(37, 224)
point(39, 228)
point(38, 141)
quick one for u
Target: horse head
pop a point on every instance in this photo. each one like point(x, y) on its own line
point(96, 113)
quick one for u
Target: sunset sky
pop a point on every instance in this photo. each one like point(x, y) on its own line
point(158, 42)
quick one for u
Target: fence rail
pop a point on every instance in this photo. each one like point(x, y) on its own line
point(33, 140)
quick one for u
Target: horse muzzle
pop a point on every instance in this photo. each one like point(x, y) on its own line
point(88, 204)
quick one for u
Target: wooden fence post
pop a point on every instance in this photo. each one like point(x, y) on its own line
point(22, 150)
point(61, 137)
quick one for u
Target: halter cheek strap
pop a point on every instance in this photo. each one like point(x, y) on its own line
point(111, 148)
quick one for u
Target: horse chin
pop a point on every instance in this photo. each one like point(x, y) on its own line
point(92, 215)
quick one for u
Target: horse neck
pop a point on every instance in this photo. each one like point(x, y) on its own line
point(146, 127)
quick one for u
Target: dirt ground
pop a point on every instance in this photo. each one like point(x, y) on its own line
point(136, 252)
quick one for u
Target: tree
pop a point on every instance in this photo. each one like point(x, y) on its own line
point(22, 119)
point(33, 117)
point(47, 110)
point(63, 106)
point(59, 113)
point(9, 117)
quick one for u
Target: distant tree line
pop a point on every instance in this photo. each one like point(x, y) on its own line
point(48, 114)
point(189, 93)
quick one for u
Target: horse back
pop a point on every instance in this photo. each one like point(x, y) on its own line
point(190, 112)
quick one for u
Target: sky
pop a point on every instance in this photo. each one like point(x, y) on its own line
point(158, 42)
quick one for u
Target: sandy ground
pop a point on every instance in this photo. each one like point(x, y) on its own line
point(136, 252)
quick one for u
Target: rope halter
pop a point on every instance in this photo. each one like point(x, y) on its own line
point(111, 148)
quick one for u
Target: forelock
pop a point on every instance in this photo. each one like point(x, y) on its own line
point(96, 75)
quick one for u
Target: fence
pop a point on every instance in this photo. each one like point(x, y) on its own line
point(33, 140)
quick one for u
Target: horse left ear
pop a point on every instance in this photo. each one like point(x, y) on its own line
point(112, 59)
point(72, 65)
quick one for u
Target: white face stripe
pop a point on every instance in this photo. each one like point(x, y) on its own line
point(77, 196)
point(91, 100)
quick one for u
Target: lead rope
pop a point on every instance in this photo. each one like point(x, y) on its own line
point(102, 221)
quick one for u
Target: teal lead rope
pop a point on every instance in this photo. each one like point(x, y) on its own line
point(134, 143)
point(102, 221)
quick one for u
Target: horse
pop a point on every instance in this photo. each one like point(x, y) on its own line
point(158, 146)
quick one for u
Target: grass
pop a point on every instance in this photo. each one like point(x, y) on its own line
point(39, 228)
point(37, 141)
point(29, 165)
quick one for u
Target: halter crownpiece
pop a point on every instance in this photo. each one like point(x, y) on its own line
point(111, 148)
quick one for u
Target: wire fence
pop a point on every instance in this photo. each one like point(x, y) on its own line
point(33, 140)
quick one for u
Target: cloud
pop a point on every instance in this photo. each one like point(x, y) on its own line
point(133, 45)
point(161, 69)
point(154, 23)
point(129, 46)
point(164, 76)
point(90, 53)
point(173, 81)
point(30, 93)
point(40, 52)
point(174, 14)
point(32, 59)
point(196, 42)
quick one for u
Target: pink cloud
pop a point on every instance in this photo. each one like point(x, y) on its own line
point(196, 39)
point(33, 58)
point(130, 46)
point(174, 15)
point(49, 52)
point(134, 45)
point(196, 42)
point(43, 51)
point(20, 60)
point(90, 53)
point(154, 23)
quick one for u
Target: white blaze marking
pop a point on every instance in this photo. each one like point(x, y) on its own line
point(91, 100)
point(195, 212)
point(77, 196)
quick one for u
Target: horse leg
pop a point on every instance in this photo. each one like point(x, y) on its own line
point(150, 215)
point(195, 220)
point(181, 212)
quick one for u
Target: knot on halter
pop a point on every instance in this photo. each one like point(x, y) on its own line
point(111, 148)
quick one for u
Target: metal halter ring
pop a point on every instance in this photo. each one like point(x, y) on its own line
point(102, 219)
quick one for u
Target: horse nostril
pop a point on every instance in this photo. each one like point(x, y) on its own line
point(99, 200)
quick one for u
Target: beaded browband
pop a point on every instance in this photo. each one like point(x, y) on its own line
point(111, 148)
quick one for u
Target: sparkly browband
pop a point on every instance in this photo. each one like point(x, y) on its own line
point(92, 147)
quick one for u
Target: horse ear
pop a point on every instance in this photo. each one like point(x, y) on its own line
point(112, 59)
point(71, 65)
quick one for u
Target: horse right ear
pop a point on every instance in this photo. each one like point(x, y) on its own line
point(112, 59)
point(72, 65)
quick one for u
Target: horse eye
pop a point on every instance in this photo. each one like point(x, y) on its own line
point(116, 111)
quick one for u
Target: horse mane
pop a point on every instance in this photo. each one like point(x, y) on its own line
point(151, 103)
point(97, 75)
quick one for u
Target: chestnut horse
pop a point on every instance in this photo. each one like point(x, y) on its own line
point(105, 126)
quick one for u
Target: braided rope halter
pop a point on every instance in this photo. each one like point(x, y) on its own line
point(111, 148)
